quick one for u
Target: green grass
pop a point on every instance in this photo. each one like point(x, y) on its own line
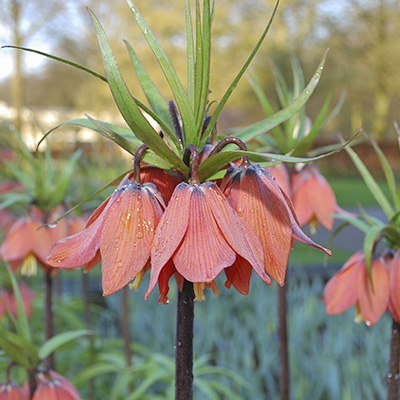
point(350, 190)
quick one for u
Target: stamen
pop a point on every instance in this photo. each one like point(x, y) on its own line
point(198, 291)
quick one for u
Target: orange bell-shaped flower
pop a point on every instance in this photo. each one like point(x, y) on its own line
point(29, 238)
point(53, 386)
point(11, 391)
point(352, 286)
point(258, 199)
point(313, 198)
point(202, 235)
point(119, 233)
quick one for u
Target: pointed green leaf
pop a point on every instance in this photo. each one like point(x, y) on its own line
point(390, 178)
point(233, 85)
point(156, 100)
point(63, 60)
point(307, 141)
point(121, 141)
point(277, 133)
point(59, 340)
point(370, 182)
point(214, 163)
point(355, 221)
point(369, 245)
point(171, 76)
point(265, 125)
point(22, 320)
point(63, 180)
point(190, 53)
point(13, 343)
point(206, 54)
point(128, 106)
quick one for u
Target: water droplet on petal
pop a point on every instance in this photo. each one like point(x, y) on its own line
point(52, 225)
point(119, 264)
point(368, 323)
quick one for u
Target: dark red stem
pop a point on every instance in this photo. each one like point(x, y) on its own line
point(393, 375)
point(184, 343)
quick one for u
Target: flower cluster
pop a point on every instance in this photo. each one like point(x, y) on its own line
point(49, 385)
point(246, 223)
point(371, 296)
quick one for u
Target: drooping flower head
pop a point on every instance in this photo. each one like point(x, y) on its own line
point(119, 233)
point(202, 235)
point(11, 391)
point(258, 199)
point(52, 386)
point(313, 198)
point(29, 241)
point(352, 286)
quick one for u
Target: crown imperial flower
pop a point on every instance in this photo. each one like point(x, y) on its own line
point(119, 233)
point(258, 199)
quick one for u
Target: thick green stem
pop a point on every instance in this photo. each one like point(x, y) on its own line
point(393, 375)
point(184, 343)
point(284, 375)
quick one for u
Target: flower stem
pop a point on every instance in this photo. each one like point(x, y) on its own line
point(88, 321)
point(125, 327)
point(184, 343)
point(283, 344)
point(393, 375)
point(48, 316)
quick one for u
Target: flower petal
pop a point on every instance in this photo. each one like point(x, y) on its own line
point(169, 232)
point(264, 209)
point(77, 250)
point(18, 243)
point(237, 233)
point(239, 275)
point(126, 237)
point(394, 305)
point(374, 302)
point(297, 232)
point(341, 292)
point(203, 252)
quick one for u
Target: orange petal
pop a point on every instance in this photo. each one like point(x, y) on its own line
point(127, 237)
point(163, 281)
point(169, 232)
point(323, 200)
point(18, 242)
point(297, 232)
point(203, 252)
point(93, 262)
point(300, 199)
point(236, 231)
point(264, 209)
point(374, 302)
point(239, 275)
point(281, 175)
point(77, 250)
point(394, 305)
point(341, 292)
point(164, 181)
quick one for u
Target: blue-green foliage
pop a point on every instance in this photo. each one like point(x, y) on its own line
point(331, 357)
